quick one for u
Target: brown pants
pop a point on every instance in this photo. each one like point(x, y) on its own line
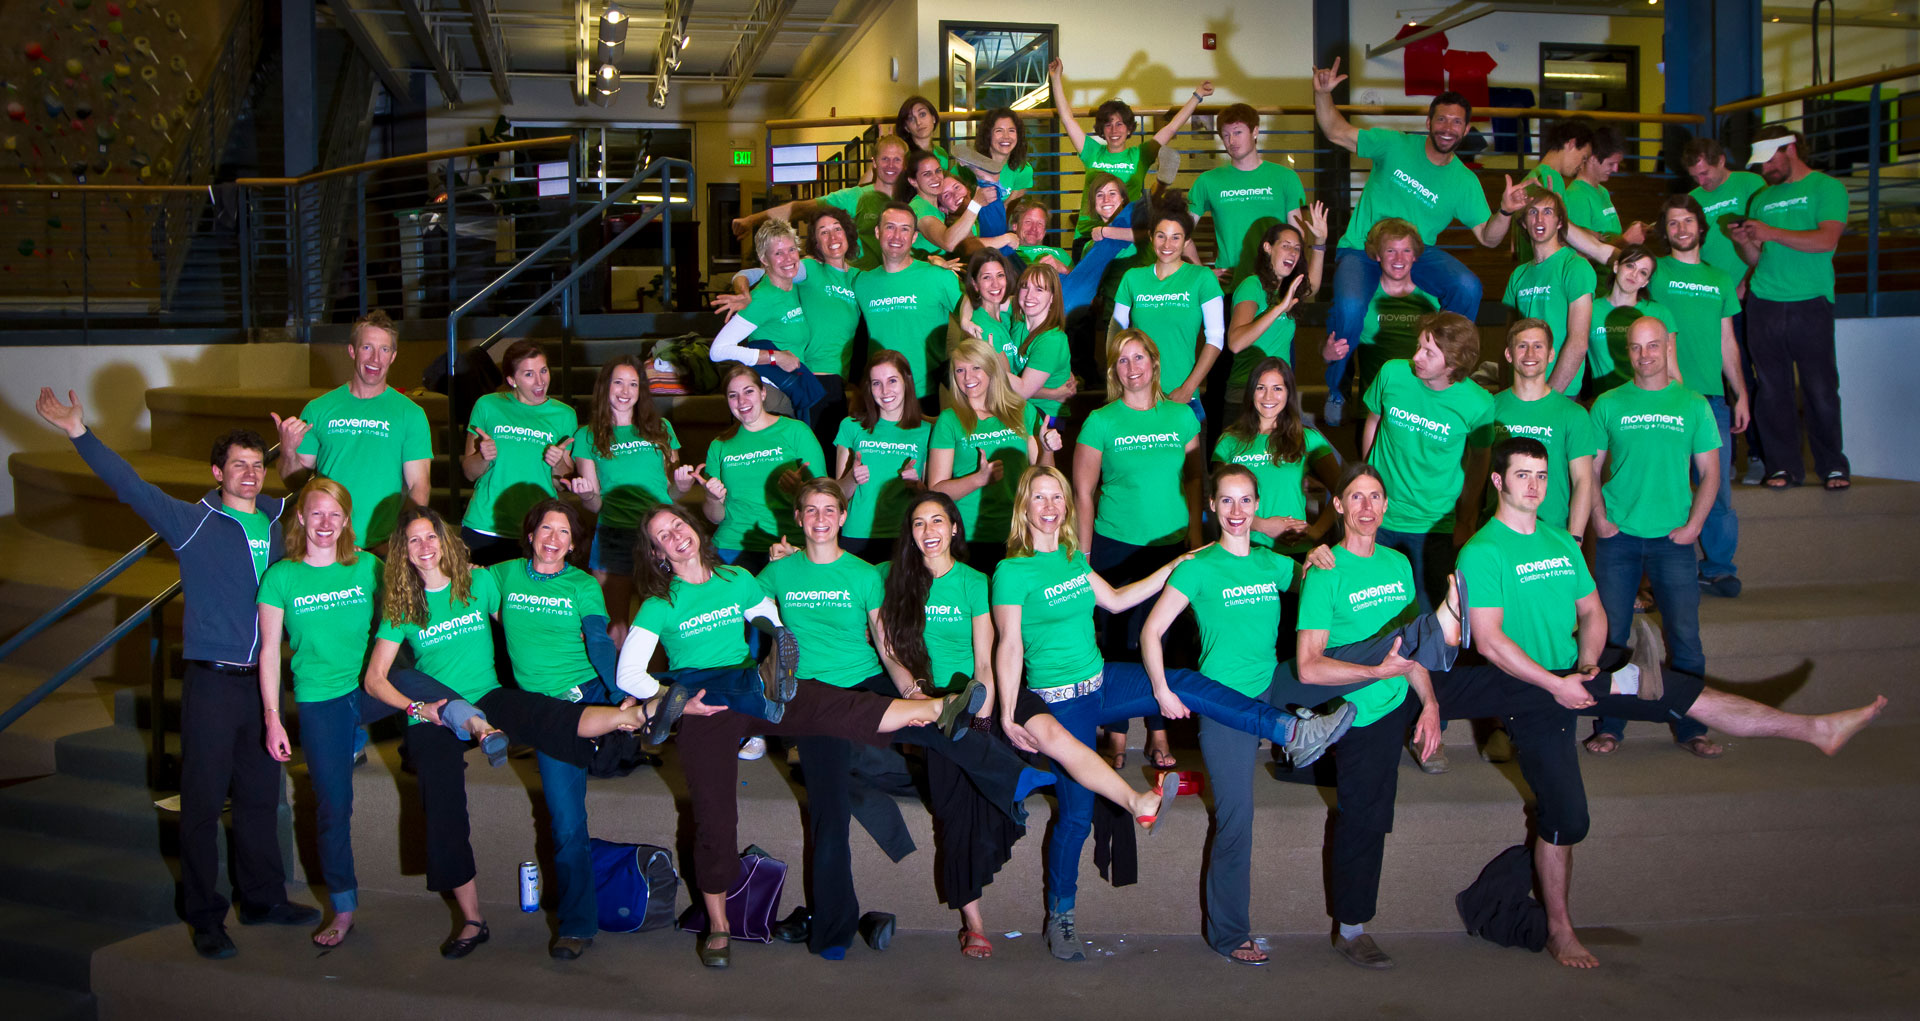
point(709, 753)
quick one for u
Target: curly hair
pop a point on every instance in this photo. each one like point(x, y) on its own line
point(405, 599)
point(903, 610)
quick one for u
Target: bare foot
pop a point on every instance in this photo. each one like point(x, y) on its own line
point(1834, 730)
point(336, 931)
point(1450, 620)
point(1565, 948)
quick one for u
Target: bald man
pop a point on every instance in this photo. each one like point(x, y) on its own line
point(1655, 437)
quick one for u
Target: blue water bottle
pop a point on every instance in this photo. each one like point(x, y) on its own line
point(529, 886)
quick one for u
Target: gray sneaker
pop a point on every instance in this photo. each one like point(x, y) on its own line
point(786, 663)
point(1313, 734)
point(1062, 941)
point(1166, 168)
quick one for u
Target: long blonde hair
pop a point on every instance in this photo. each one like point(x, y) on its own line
point(344, 550)
point(1002, 402)
point(405, 601)
point(1019, 538)
point(1114, 345)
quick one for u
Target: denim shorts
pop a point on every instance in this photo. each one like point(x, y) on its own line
point(612, 549)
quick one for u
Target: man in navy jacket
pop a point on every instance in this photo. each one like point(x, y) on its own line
point(224, 543)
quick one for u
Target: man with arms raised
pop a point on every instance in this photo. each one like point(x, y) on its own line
point(224, 543)
point(365, 435)
point(1418, 179)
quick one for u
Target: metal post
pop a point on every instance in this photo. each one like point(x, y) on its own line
point(1333, 178)
point(453, 239)
point(666, 238)
point(1873, 201)
point(157, 705)
point(86, 274)
point(246, 262)
point(360, 233)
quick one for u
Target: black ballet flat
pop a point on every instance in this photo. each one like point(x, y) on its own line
point(454, 949)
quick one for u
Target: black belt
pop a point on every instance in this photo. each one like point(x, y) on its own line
point(234, 669)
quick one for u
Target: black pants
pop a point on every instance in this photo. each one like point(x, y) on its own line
point(439, 761)
point(485, 550)
point(1785, 337)
point(1368, 760)
point(223, 754)
point(831, 409)
point(1122, 563)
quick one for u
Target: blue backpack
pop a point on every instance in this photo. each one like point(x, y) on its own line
point(635, 885)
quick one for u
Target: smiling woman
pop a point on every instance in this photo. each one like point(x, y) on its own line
point(518, 442)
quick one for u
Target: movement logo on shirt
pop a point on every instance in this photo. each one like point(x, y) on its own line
point(841, 292)
point(326, 600)
point(1248, 595)
point(1386, 319)
point(1540, 570)
point(942, 612)
point(819, 597)
point(521, 432)
point(1140, 438)
point(793, 313)
point(1543, 432)
point(1541, 291)
point(1434, 430)
point(359, 427)
point(466, 623)
point(1406, 181)
point(888, 447)
point(1708, 290)
point(708, 621)
point(1247, 193)
point(260, 547)
point(1377, 595)
point(557, 605)
point(1163, 299)
point(998, 437)
point(625, 447)
point(1726, 203)
point(1779, 204)
point(1650, 420)
point(893, 301)
point(1055, 594)
point(753, 456)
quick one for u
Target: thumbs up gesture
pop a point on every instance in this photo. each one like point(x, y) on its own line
point(716, 489)
point(557, 452)
point(486, 447)
point(909, 472)
point(858, 470)
point(994, 470)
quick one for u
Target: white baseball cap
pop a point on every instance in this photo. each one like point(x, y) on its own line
point(1764, 150)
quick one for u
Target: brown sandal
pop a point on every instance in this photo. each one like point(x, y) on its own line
point(1704, 747)
point(1601, 744)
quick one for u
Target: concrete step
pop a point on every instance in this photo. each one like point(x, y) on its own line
point(128, 885)
point(1812, 619)
point(1673, 838)
point(114, 754)
point(52, 948)
point(36, 1001)
point(82, 808)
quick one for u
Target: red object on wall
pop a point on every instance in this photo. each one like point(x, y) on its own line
point(1467, 72)
point(1208, 40)
point(1425, 62)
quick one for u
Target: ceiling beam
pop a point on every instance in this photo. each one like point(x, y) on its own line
point(351, 22)
point(486, 37)
point(750, 48)
point(423, 37)
point(1032, 44)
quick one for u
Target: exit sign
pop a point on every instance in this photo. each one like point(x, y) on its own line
point(743, 157)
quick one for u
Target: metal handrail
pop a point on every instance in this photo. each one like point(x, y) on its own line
point(1875, 78)
point(67, 673)
point(84, 592)
point(1406, 109)
point(661, 168)
point(543, 142)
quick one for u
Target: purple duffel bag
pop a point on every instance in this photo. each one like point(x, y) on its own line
point(752, 901)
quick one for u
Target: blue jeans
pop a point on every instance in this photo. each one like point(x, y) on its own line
point(737, 688)
point(1431, 555)
point(1618, 564)
point(1356, 276)
point(1081, 283)
point(801, 386)
point(571, 892)
point(1125, 693)
point(1720, 536)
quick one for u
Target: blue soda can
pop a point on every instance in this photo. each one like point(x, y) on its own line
point(529, 886)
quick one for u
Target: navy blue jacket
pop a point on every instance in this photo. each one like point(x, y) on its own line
point(217, 577)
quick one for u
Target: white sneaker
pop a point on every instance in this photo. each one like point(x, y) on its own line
point(753, 748)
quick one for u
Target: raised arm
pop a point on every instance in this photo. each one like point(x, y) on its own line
point(1513, 198)
point(1333, 124)
point(1126, 597)
point(1166, 135)
point(1057, 81)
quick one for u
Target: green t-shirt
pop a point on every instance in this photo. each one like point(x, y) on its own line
point(1561, 425)
point(1730, 199)
point(1275, 340)
point(1014, 178)
point(1423, 436)
point(826, 606)
point(1283, 491)
point(1700, 297)
point(703, 626)
point(953, 601)
point(1359, 598)
point(1390, 330)
point(1591, 206)
point(987, 511)
point(1403, 182)
point(455, 647)
point(1550, 179)
point(1236, 601)
point(328, 614)
point(364, 445)
point(259, 531)
point(1141, 457)
point(632, 474)
point(1784, 274)
point(1650, 437)
point(1608, 363)
point(1047, 351)
point(907, 312)
point(1534, 580)
point(778, 317)
point(864, 203)
point(877, 505)
point(1127, 165)
point(520, 476)
point(833, 317)
point(1031, 254)
point(1244, 203)
point(1055, 596)
point(541, 616)
point(1546, 290)
point(750, 464)
point(921, 207)
point(1169, 312)
point(998, 332)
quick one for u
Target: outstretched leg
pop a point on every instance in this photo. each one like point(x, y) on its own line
point(1743, 717)
point(1087, 768)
